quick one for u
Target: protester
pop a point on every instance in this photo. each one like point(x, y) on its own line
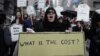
point(42, 15)
point(94, 35)
point(68, 15)
point(18, 18)
point(19, 21)
point(3, 44)
point(51, 22)
point(28, 23)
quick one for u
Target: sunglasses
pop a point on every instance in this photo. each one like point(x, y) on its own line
point(51, 11)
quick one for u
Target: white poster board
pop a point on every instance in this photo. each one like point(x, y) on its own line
point(69, 3)
point(58, 10)
point(21, 3)
point(41, 4)
point(15, 30)
point(83, 12)
point(30, 10)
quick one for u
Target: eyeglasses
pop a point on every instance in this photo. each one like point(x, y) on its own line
point(51, 11)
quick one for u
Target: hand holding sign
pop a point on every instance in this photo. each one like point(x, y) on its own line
point(29, 30)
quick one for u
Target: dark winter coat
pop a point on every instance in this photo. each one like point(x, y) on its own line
point(3, 44)
point(95, 42)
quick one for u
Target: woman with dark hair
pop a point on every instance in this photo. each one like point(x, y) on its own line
point(51, 22)
point(18, 21)
point(18, 18)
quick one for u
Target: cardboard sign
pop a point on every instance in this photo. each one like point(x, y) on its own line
point(21, 3)
point(41, 4)
point(69, 3)
point(51, 44)
point(30, 10)
point(15, 30)
point(83, 12)
point(56, 3)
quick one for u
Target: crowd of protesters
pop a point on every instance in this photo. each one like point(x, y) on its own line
point(48, 21)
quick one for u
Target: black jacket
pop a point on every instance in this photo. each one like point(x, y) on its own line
point(3, 46)
point(51, 26)
point(95, 42)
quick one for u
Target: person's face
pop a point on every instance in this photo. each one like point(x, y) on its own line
point(18, 14)
point(78, 24)
point(51, 16)
point(42, 14)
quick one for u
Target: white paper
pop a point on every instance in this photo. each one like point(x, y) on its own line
point(21, 3)
point(30, 10)
point(15, 30)
point(83, 12)
point(41, 4)
point(58, 10)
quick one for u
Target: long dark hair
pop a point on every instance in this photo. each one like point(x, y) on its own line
point(20, 19)
point(47, 11)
